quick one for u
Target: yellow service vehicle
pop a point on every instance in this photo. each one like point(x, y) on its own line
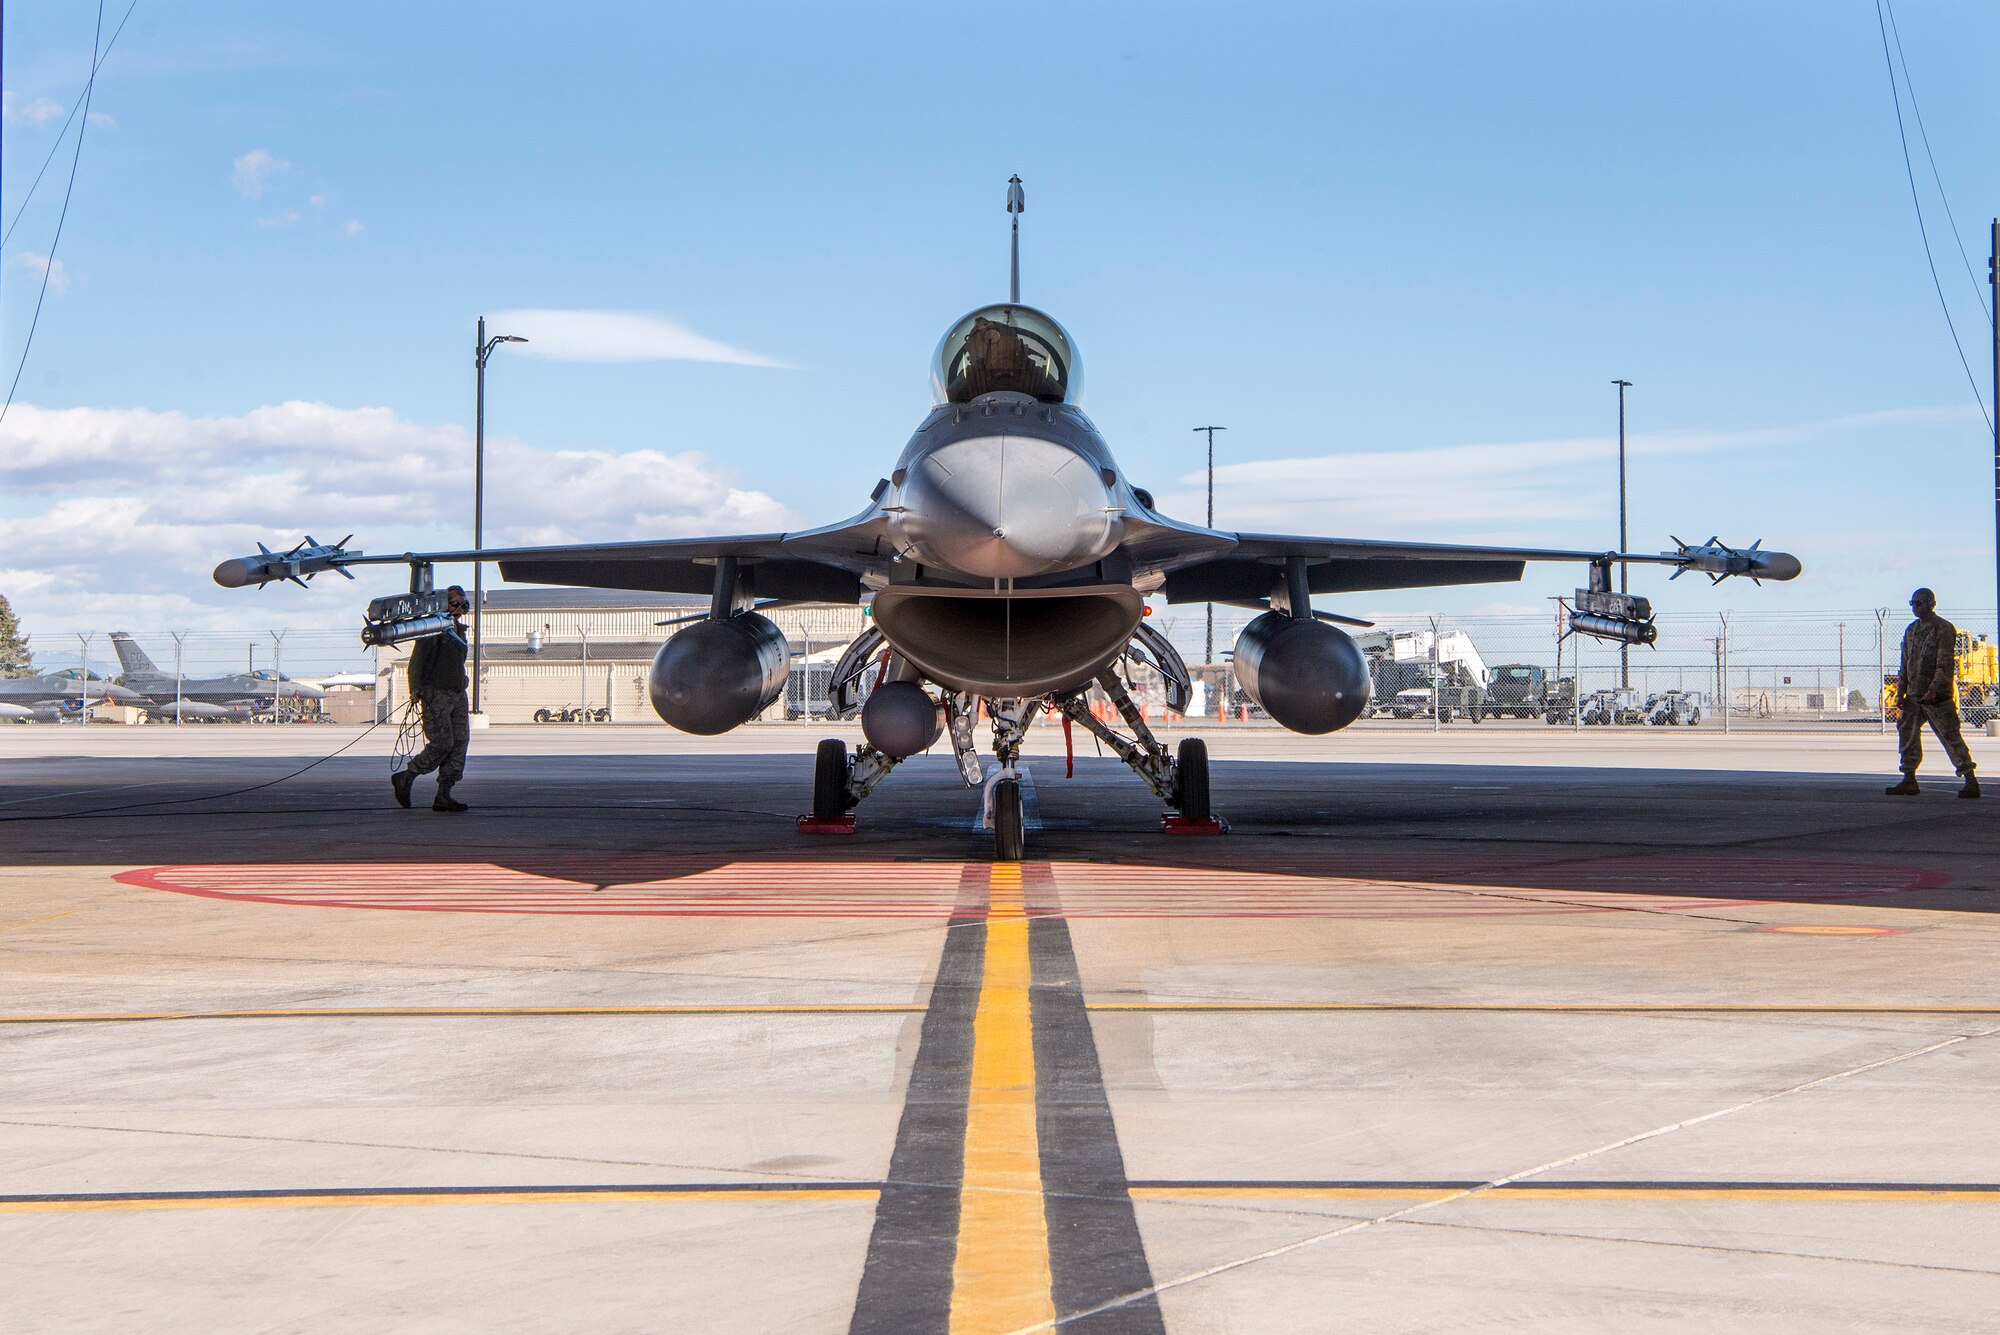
point(1978, 674)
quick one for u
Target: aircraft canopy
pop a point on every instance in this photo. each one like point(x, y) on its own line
point(1006, 347)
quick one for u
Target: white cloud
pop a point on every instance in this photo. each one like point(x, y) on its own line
point(37, 113)
point(256, 170)
point(33, 263)
point(354, 227)
point(282, 218)
point(1495, 490)
point(101, 120)
point(320, 200)
point(616, 336)
point(131, 509)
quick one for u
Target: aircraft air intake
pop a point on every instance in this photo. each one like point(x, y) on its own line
point(1309, 676)
point(717, 675)
point(1009, 648)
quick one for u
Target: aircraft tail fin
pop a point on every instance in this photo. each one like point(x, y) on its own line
point(131, 657)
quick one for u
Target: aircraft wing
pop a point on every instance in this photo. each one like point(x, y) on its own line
point(819, 565)
point(1349, 565)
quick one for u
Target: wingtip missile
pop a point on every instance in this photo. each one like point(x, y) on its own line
point(298, 565)
point(1718, 560)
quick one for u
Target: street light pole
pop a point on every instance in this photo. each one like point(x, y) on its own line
point(1208, 637)
point(278, 672)
point(83, 684)
point(1624, 650)
point(180, 637)
point(482, 348)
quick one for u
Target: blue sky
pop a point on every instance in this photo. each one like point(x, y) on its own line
point(1400, 251)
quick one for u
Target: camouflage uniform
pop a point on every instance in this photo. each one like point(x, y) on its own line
point(437, 679)
point(1930, 657)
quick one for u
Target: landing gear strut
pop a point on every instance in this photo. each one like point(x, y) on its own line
point(1003, 797)
point(1009, 832)
point(839, 784)
point(1180, 780)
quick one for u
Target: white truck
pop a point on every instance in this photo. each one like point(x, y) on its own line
point(1421, 674)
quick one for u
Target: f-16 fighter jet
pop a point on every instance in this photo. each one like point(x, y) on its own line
point(236, 696)
point(1008, 558)
point(59, 695)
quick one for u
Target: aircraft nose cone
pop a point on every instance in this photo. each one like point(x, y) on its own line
point(1007, 507)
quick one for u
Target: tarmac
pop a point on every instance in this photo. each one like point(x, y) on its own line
point(1470, 1030)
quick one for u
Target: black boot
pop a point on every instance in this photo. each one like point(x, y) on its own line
point(401, 781)
point(446, 802)
point(1907, 788)
point(1971, 788)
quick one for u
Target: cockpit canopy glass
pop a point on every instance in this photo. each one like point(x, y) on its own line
point(1006, 347)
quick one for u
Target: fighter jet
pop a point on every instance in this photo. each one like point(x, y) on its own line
point(58, 695)
point(237, 696)
point(1007, 558)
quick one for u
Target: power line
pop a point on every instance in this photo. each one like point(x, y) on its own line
point(49, 265)
point(1911, 88)
point(1910, 170)
point(64, 132)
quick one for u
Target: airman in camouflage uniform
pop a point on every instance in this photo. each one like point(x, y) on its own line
point(1929, 695)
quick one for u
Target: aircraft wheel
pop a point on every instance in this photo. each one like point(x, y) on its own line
point(830, 780)
point(1191, 765)
point(1009, 832)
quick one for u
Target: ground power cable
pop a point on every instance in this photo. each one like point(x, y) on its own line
point(1909, 169)
point(199, 797)
point(63, 134)
point(49, 267)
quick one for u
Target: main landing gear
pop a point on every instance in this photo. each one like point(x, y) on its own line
point(839, 784)
point(1179, 778)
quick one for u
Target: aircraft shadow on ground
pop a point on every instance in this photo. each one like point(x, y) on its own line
point(1338, 840)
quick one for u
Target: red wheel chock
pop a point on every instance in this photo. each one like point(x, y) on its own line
point(1171, 824)
point(827, 825)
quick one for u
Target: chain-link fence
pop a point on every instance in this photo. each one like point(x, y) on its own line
point(1726, 671)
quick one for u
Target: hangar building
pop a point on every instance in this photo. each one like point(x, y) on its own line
point(551, 649)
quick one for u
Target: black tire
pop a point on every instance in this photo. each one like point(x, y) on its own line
point(1009, 830)
point(830, 780)
point(1191, 784)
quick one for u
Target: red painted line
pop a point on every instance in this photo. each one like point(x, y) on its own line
point(770, 887)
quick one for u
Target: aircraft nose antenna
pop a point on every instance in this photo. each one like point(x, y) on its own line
point(1017, 204)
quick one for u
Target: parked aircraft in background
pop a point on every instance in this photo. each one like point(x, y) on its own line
point(235, 696)
point(57, 695)
point(1008, 559)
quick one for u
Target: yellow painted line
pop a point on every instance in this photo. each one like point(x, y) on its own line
point(47, 918)
point(866, 1008)
point(1737, 1194)
point(310, 1202)
point(1275, 1193)
point(1565, 1193)
point(66, 913)
point(1554, 1007)
point(421, 1012)
point(1818, 930)
point(1000, 1279)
